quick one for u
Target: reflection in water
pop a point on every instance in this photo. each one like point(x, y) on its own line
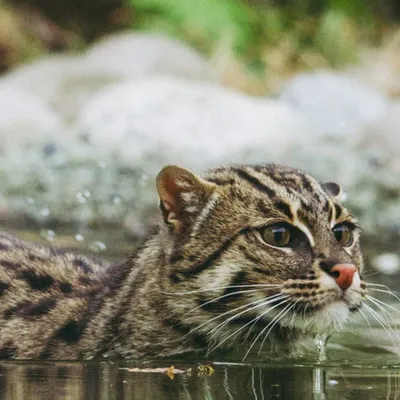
point(111, 381)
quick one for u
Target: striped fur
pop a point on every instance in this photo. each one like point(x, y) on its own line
point(206, 280)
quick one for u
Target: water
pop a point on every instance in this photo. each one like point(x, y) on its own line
point(114, 381)
point(358, 364)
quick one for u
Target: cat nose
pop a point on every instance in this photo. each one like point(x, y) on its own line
point(343, 274)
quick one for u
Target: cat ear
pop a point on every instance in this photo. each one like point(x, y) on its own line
point(333, 189)
point(182, 195)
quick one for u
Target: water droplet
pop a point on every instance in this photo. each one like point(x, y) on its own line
point(47, 234)
point(320, 341)
point(97, 246)
point(79, 237)
point(80, 197)
point(116, 199)
point(44, 212)
point(144, 178)
point(83, 197)
point(30, 200)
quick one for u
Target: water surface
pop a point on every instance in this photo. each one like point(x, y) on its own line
point(361, 362)
point(114, 381)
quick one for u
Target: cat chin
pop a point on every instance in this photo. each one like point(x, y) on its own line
point(326, 321)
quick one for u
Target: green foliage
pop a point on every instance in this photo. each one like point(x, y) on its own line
point(204, 21)
point(331, 29)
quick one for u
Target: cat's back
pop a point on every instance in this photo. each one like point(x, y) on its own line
point(44, 296)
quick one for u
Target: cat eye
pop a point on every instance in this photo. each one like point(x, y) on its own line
point(278, 235)
point(343, 234)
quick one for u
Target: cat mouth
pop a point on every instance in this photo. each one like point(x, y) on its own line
point(306, 308)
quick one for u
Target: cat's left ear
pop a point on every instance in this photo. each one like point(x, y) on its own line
point(182, 196)
point(333, 189)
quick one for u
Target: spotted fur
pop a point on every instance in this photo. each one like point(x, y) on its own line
point(202, 282)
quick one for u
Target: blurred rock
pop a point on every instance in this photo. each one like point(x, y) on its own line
point(162, 120)
point(67, 82)
point(23, 116)
point(133, 55)
point(45, 78)
point(387, 263)
point(82, 138)
point(335, 103)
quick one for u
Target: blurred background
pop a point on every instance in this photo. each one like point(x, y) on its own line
point(95, 97)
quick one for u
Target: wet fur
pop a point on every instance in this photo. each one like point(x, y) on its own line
point(166, 299)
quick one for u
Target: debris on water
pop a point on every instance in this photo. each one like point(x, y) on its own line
point(320, 341)
point(170, 371)
point(202, 370)
point(205, 370)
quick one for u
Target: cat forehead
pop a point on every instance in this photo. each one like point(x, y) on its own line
point(277, 191)
point(271, 180)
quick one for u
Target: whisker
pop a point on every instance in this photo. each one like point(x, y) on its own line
point(386, 315)
point(268, 301)
point(377, 284)
point(224, 287)
point(244, 326)
point(371, 274)
point(246, 306)
point(381, 322)
point(383, 303)
point(379, 318)
point(226, 295)
point(276, 319)
point(360, 311)
point(386, 291)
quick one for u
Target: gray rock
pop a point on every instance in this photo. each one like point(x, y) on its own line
point(65, 83)
point(387, 263)
point(45, 77)
point(162, 120)
point(122, 130)
point(335, 103)
point(104, 170)
point(24, 117)
point(134, 55)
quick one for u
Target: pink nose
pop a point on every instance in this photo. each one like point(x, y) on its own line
point(343, 274)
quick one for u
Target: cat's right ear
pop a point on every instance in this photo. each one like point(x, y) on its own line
point(333, 189)
point(182, 195)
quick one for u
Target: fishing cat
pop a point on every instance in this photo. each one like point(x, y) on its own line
point(243, 256)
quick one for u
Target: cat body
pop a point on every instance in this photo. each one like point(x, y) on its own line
point(244, 256)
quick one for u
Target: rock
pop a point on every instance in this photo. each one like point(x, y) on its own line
point(24, 117)
point(387, 263)
point(104, 171)
point(66, 83)
point(385, 134)
point(99, 168)
point(335, 103)
point(134, 55)
point(161, 120)
point(44, 77)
